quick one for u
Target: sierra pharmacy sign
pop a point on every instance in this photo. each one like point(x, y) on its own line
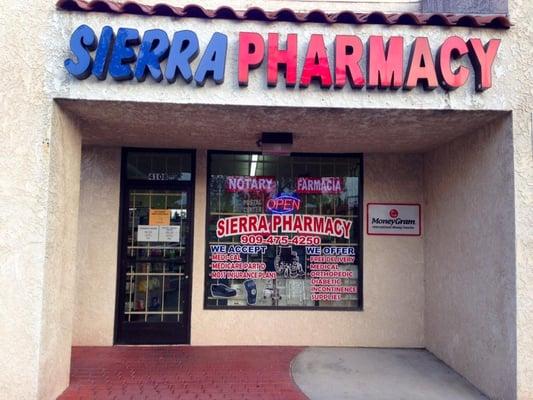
point(345, 60)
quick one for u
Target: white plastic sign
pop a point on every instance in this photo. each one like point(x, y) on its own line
point(393, 219)
point(158, 233)
point(169, 233)
point(147, 233)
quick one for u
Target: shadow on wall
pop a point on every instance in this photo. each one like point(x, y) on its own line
point(469, 252)
point(465, 6)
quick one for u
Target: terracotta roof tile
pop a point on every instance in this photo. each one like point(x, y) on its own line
point(287, 14)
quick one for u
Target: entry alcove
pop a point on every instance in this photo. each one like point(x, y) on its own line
point(451, 290)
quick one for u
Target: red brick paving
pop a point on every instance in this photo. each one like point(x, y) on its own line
point(175, 372)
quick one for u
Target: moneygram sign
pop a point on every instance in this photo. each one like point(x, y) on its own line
point(393, 219)
point(340, 61)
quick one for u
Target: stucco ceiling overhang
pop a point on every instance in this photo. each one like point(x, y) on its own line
point(230, 127)
point(286, 14)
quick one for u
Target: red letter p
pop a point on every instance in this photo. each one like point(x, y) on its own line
point(251, 54)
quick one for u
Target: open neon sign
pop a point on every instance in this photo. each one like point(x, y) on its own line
point(283, 204)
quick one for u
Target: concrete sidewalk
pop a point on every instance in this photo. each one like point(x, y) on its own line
point(378, 374)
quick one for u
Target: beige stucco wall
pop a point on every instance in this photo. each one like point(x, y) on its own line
point(393, 270)
point(60, 256)
point(38, 281)
point(39, 181)
point(23, 210)
point(393, 281)
point(94, 315)
point(522, 11)
point(470, 258)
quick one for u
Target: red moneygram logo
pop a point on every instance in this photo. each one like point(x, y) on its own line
point(394, 213)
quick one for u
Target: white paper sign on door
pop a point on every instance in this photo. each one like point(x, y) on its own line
point(147, 233)
point(169, 233)
point(393, 219)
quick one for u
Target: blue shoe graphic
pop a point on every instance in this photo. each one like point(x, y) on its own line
point(222, 291)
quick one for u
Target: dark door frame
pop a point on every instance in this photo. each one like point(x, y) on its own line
point(125, 186)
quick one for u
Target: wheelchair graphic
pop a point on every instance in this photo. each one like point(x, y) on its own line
point(287, 263)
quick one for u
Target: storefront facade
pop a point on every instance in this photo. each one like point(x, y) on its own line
point(221, 178)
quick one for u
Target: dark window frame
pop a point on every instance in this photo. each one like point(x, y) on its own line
point(148, 338)
point(360, 226)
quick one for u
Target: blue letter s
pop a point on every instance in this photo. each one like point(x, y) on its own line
point(82, 41)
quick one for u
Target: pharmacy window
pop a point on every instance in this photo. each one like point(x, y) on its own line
point(284, 232)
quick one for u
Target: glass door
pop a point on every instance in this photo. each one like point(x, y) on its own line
point(155, 264)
